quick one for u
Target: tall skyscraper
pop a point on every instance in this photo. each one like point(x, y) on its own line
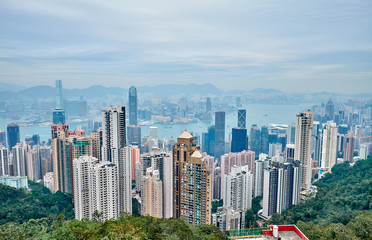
point(4, 162)
point(116, 152)
point(134, 135)
point(33, 164)
point(329, 150)
point(238, 188)
point(191, 182)
point(304, 125)
point(349, 147)
point(59, 116)
point(219, 134)
point(239, 140)
point(96, 141)
point(242, 118)
point(330, 110)
point(255, 139)
point(95, 185)
point(152, 194)
point(12, 131)
point(264, 145)
point(291, 134)
point(59, 95)
point(19, 160)
point(208, 105)
point(133, 106)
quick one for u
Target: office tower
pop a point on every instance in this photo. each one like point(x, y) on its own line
point(318, 145)
point(134, 135)
point(2, 138)
point(238, 102)
point(349, 147)
point(217, 182)
point(231, 159)
point(191, 182)
point(59, 116)
point(329, 151)
point(48, 181)
point(209, 141)
point(4, 162)
point(264, 145)
point(342, 129)
point(83, 108)
point(59, 96)
point(19, 160)
point(304, 124)
point(273, 138)
point(282, 139)
point(291, 134)
point(255, 139)
point(13, 134)
point(227, 219)
point(238, 188)
point(219, 134)
point(33, 164)
point(153, 132)
point(96, 143)
point(152, 194)
point(95, 185)
point(289, 153)
point(274, 148)
point(242, 118)
point(208, 105)
point(239, 140)
point(133, 106)
point(330, 110)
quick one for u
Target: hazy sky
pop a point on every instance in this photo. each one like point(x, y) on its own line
point(317, 45)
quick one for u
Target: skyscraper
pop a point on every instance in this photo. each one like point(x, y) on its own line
point(330, 110)
point(349, 147)
point(191, 182)
point(95, 185)
point(239, 140)
point(4, 162)
point(13, 134)
point(238, 188)
point(59, 96)
point(133, 106)
point(152, 197)
point(19, 160)
point(208, 105)
point(255, 139)
point(304, 125)
point(134, 135)
point(219, 134)
point(116, 152)
point(242, 118)
point(59, 116)
point(329, 150)
point(264, 145)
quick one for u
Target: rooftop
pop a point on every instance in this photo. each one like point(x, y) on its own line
point(186, 135)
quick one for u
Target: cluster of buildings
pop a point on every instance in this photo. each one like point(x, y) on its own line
point(112, 166)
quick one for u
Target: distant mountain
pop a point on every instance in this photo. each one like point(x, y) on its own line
point(94, 91)
point(179, 89)
point(266, 91)
point(10, 87)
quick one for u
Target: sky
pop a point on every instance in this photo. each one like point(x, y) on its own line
point(293, 46)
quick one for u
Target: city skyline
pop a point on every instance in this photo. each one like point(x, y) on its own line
point(317, 46)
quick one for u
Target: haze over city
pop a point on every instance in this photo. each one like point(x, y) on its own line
point(291, 46)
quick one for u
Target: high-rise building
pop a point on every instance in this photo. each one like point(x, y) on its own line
point(274, 148)
point(227, 219)
point(152, 194)
point(19, 160)
point(134, 135)
point(2, 138)
point(13, 134)
point(133, 118)
point(289, 153)
point(95, 185)
point(349, 147)
point(48, 181)
point(329, 150)
point(153, 132)
point(59, 116)
point(191, 182)
point(231, 159)
point(291, 134)
point(264, 145)
point(96, 142)
point(45, 158)
point(238, 188)
point(4, 162)
point(209, 141)
point(304, 125)
point(330, 110)
point(33, 164)
point(242, 118)
point(239, 140)
point(219, 134)
point(255, 139)
point(59, 95)
point(208, 105)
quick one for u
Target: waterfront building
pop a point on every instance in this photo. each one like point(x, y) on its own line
point(12, 131)
point(134, 135)
point(242, 118)
point(133, 108)
point(239, 140)
point(255, 140)
point(219, 146)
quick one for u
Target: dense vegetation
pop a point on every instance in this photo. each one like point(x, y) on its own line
point(21, 205)
point(341, 208)
point(126, 227)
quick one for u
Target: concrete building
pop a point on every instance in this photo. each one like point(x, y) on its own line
point(14, 181)
point(152, 194)
point(96, 141)
point(349, 147)
point(48, 181)
point(19, 160)
point(4, 161)
point(238, 188)
point(329, 149)
point(227, 219)
point(304, 124)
